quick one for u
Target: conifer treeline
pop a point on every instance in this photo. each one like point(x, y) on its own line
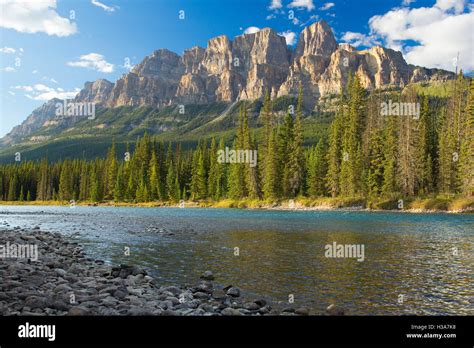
point(363, 155)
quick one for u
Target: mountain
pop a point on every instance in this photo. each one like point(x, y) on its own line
point(227, 71)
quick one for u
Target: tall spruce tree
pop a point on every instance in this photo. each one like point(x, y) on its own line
point(296, 158)
point(317, 169)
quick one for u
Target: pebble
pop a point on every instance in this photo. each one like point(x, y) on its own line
point(230, 311)
point(78, 311)
point(302, 311)
point(233, 291)
point(207, 275)
point(334, 310)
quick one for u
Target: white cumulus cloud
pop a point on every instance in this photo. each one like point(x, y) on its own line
point(359, 39)
point(33, 16)
point(42, 92)
point(94, 61)
point(327, 6)
point(439, 32)
point(7, 50)
point(103, 6)
point(289, 36)
point(275, 4)
point(9, 69)
point(251, 30)
point(307, 4)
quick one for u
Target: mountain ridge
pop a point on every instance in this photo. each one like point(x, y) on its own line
point(244, 68)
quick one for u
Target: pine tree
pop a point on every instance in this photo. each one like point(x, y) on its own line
point(250, 172)
point(285, 145)
point(466, 156)
point(334, 151)
point(390, 156)
point(375, 175)
point(119, 188)
point(12, 189)
point(317, 169)
point(65, 182)
point(198, 180)
point(452, 132)
point(271, 182)
point(351, 169)
point(43, 182)
point(155, 180)
point(236, 182)
point(237, 187)
point(94, 187)
point(423, 162)
point(171, 182)
point(111, 171)
point(267, 119)
point(84, 182)
point(296, 158)
point(213, 170)
point(176, 193)
point(221, 175)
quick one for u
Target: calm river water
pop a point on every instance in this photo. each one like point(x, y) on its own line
point(413, 263)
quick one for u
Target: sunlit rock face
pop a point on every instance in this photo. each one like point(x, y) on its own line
point(252, 64)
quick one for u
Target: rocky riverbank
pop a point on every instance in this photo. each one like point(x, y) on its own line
point(63, 281)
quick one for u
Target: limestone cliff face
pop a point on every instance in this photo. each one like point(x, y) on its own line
point(96, 92)
point(250, 65)
point(310, 60)
point(152, 82)
point(263, 62)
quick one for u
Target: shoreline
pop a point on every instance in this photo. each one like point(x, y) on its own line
point(283, 205)
point(63, 281)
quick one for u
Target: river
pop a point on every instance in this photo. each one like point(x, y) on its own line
point(413, 263)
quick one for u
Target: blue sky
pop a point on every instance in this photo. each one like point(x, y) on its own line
point(50, 48)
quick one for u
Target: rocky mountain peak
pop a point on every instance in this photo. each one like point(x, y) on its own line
point(161, 63)
point(316, 39)
point(95, 92)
